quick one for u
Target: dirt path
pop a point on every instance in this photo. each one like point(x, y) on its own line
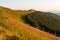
point(28, 27)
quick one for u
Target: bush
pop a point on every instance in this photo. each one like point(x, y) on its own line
point(12, 38)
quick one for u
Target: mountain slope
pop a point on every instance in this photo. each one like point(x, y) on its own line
point(27, 31)
point(45, 21)
point(13, 28)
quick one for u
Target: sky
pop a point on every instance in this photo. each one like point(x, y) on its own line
point(43, 5)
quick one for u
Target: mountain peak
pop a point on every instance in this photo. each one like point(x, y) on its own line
point(32, 10)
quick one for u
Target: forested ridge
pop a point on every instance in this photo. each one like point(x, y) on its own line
point(45, 21)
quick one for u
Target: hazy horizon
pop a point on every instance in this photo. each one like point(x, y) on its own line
point(42, 5)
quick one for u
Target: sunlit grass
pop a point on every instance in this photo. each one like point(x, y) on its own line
point(10, 31)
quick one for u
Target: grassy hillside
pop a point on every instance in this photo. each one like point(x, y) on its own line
point(13, 28)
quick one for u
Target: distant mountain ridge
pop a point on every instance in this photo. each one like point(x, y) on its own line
point(56, 12)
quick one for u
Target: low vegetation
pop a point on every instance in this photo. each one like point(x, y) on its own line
point(12, 27)
point(45, 21)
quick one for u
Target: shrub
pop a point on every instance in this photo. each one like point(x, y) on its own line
point(12, 38)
